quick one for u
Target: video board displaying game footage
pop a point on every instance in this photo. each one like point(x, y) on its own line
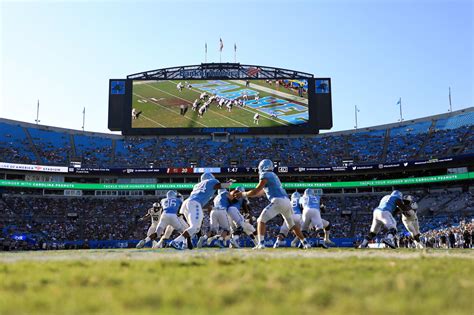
point(210, 104)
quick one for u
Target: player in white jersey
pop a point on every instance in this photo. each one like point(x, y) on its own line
point(134, 113)
point(410, 220)
point(257, 97)
point(229, 106)
point(203, 95)
point(221, 103)
point(202, 110)
point(196, 103)
point(311, 204)
point(180, 86)
point(279, 202)
point(256, 118)
point(154, 213)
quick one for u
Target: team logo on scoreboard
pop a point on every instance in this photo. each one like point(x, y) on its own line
point(117, 87)
point(322, 86)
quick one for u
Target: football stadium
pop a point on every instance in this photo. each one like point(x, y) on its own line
point(231, 187)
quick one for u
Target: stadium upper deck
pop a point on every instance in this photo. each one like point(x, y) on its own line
point(430, 137)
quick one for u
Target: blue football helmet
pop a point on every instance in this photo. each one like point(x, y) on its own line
point(171, 194)
point(309, 192)
point(265, 166)
point(206, 176)
point(397, 193)
point(295, 195)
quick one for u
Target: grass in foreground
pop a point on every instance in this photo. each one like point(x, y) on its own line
point(234, 284)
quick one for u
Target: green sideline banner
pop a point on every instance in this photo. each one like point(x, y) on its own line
point(189, 186)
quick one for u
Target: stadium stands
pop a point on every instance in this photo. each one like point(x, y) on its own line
point(437, 136)
point(115, 218)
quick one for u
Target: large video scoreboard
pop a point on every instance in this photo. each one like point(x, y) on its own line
point(231, 98)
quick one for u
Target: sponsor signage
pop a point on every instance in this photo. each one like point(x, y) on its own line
point(189, 186)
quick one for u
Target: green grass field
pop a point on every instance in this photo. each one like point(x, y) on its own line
point(281, 281)
point(163, 111)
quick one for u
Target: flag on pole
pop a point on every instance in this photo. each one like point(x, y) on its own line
point(205, 47)
point(235, 47)
point(399, 101)
point(221, 44)
point(84, 110)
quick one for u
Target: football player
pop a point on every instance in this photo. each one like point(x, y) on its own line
point(311, 204)
point(238, 220)
point(382, 216)
point(219, 220)
point(196, 104)
point(256, 118)
point(154, 213)
point(279, 202)
point(410, 220)
point(170, 206)
point(192, 207)
point(202, 110)
point(296, 207)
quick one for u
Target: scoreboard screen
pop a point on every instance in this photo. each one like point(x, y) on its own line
point(256, 106)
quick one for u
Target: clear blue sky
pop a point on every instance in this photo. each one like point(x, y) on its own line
point(64, 52)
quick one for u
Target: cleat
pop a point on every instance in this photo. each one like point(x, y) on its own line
point(233, 244)
point(141, 244)
point(330, 243)
point(364, 244)
point(294, 243)
point(175, 245)
point(323, 245)
point(389, 242)
point(259, 246)
point(276, 245)
point(306, 246)
point(200, 242)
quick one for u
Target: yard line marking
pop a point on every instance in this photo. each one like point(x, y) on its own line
point(238, 122)
point(263, 114)
point(152, 120)
point(172, 111)
point(268, 90)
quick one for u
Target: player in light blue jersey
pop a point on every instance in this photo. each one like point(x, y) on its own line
point(218, 220)
point(279, 203)
point(169, 208)
point(312, 207)
point(192, 207)
point(297, 209)
point(240, 225)
point(383, 216)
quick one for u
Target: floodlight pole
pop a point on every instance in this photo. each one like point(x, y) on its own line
point(401, 115)
point(450, 105)
point(83, 119)
point(37, 112)
point(355, 111)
